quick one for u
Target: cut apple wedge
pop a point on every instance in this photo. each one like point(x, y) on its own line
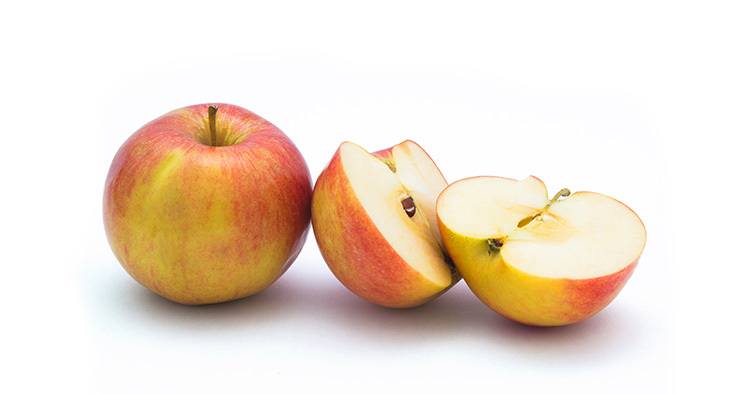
point(374, 220)
point(536, 260)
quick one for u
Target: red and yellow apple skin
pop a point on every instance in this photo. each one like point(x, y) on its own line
point(355, 250)
point(200, 224)
point(526, 298)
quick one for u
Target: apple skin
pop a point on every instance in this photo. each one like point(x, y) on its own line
point(355, 250)
point(526, 298)
point(201, 224)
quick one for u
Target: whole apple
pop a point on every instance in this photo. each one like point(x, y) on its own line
point(208, 203)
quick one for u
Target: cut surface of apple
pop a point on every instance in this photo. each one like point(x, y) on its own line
point(384, 187)
point(374, 220)
point(509, 240)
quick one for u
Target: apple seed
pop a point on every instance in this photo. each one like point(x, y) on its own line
point(409, 207)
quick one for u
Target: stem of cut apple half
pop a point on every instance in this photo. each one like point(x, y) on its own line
point(212, 123)
point(496, 243)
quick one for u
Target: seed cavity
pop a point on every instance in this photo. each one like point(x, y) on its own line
point(409, 207)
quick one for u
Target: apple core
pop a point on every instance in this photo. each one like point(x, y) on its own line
point(496, 243)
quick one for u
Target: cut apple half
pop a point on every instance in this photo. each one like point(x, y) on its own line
point(374, 219)
point(535, 259)
point(398, 192)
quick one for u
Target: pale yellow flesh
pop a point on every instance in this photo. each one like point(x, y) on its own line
point(380, 192)
point(490, 207)
point(422, 180)
point(586, 235)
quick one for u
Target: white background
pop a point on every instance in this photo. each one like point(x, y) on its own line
point(646, 101)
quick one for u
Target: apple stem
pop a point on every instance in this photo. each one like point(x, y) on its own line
point(212, 123)
point(564, 192)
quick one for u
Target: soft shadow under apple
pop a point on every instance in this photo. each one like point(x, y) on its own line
point(326, 306)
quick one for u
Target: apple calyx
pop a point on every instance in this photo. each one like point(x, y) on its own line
point(212, 123)
point(494, 244)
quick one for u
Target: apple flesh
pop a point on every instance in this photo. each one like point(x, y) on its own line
point(374, 221)
point(208, 203)
point(539, 261)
